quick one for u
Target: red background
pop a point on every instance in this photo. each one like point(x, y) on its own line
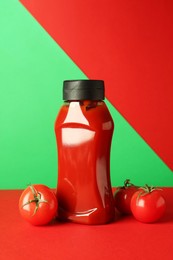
point(123, 239)
point(129, 45)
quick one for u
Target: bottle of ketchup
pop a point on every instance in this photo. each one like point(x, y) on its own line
point(84, 129)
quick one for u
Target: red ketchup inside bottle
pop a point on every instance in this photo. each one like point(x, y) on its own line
point(84, 129)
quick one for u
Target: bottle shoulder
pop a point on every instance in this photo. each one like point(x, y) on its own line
point(89, 114)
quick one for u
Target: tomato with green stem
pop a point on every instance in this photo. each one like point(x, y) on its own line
point(38, 204)
point(123, 195)
point(148, 205)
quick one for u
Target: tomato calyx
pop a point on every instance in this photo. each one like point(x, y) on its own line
point(127, 184)
point(37, 199)
point(146, 190)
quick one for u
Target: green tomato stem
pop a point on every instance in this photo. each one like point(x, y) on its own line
point(37, 199)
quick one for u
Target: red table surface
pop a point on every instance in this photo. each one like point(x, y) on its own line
point(124, 239)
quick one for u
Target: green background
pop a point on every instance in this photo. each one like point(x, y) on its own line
point(32, 70)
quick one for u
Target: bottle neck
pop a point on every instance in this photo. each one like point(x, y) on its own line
point(85, 102)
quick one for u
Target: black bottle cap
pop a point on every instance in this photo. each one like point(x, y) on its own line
point(83, 90)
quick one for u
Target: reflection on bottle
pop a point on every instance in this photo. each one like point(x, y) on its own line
point(76, 136)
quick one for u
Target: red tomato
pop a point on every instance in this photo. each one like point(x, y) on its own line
point(123, 195)
point(148, 205)
point(38, 204)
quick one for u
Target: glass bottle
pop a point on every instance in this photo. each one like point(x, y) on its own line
point(84, 129)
